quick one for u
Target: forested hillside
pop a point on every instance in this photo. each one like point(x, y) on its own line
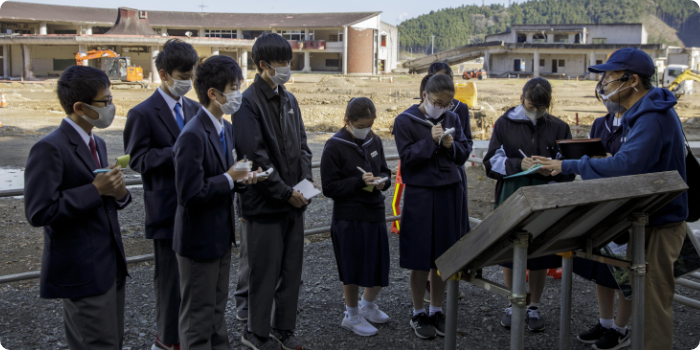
point(454, 27)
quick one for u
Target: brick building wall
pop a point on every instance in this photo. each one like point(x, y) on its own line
point(360, 50)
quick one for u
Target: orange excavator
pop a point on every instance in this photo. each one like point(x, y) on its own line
point(115, 66)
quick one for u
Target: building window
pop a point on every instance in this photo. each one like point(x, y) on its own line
point(600, 40)
point(539, 38)
point(561, 63)
point(522, 38)
point(293, 34)
point(227, 34)
point(384, 40)
point(61, 65)
point(519, 65)
point(65, 31)
point(541, 62)
point(599, 62)
point(332, 63)
point(561, 38)
point(333, 38)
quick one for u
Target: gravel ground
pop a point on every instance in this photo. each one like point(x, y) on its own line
point(28, 322)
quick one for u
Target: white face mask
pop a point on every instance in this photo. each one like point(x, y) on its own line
point(233, 102)
point(106, 116)
point(359, 133)
point(533, 115)
point(179, 87)
point(614, 108)
point(432, 111)
point(282, 74)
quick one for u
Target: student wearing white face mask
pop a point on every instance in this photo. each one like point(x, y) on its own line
point(431, 220)
point(152, 127)
point(358, 230)
point(527, 129)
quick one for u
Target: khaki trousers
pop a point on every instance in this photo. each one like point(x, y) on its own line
point(663, 245)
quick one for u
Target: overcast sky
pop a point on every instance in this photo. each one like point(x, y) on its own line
point(393, 11)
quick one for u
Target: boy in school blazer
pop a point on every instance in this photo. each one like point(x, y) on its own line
point(152, 127)
point(83, 261)
point(205, 181)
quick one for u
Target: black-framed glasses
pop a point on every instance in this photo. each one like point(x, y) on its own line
point(448, 106)
point(107, 102)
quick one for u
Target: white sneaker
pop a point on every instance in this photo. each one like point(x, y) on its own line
point(358, 325)
point(372, 314)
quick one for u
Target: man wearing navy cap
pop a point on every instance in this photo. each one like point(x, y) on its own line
point(652, 142)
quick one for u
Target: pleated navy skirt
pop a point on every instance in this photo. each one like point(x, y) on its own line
point(362, 252)
point(595, 271)
point(431, 222)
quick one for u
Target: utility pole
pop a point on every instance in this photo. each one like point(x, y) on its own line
point(202, 6)
point(432, 44)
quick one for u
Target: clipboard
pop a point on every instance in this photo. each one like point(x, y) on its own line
point(532, 170)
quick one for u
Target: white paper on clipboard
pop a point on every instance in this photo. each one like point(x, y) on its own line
point(307, 189)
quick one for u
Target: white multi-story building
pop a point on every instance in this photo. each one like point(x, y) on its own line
point(41, 40)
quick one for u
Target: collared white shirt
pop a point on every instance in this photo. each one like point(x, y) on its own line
point(86, 138)
point(172, 102)
point(219, 125)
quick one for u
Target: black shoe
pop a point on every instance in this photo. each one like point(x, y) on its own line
point(242, 315)
point(592, 334)
point(507, 317)
point(422, 326)
point(438, 322)
point(257, 343)
point(535, 322)
point(286, 339)
point(612, 340)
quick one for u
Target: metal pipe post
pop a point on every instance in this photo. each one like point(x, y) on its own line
point(451, 316)
point(518, 299)
point(567, 271)
point(638, 270)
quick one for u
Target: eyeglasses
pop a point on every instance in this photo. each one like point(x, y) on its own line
point(448, 106)
point(107, 102)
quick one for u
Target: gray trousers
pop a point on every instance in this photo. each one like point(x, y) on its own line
point(166, 282)
point(241, 294)
point(96, 322)
point(204, 293)
point(275, 256)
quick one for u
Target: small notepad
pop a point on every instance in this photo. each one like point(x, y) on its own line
point(532, 170)
point(307, 189)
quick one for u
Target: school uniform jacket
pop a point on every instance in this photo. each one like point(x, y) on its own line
point(424, 163)
point(513, 132)
point(271, 139)
point(204, 220)
point(149, 136)
point(603, 128)
point(342, 181)
point(462, 111)
point(83, 249)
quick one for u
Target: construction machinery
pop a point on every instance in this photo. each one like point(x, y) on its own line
point(474, 73)
point(115, 66)
point(683, 84)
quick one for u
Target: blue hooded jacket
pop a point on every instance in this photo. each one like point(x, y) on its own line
point(652, 142)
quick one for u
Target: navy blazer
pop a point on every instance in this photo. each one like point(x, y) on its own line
point(82, 239)
point(204, 221)
point(149, 135)
point(602, 129)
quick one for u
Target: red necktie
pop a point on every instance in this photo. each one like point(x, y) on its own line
point(93, 150)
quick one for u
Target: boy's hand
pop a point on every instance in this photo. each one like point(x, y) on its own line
point(297, 200)
point(369, 179)
point(237, 174)
point(111, 183)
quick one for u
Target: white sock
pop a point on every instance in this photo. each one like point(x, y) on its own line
point(434, 309)
point(534, 305)
point(352, 311)
point(606, 323)
point(417, 312)
point(622, 330)
point(364, 302)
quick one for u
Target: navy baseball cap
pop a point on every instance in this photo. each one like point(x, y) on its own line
point(629, 58)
